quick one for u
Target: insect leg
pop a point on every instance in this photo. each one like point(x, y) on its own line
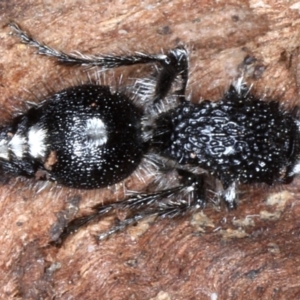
point(174, 63)
point(229, 196)
point(105, 61)
point(136, 202)
point(169, 203)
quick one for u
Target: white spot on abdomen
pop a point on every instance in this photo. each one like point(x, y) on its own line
point(37, 142)
point(4, 149)
point(17, 145)
point(96, 132)
point(92, 136)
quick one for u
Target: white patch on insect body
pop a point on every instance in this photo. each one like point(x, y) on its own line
point(17, 145)
point(96, 132)
point(238, 84)
point(93, 135)
point(37, 141)
point(230, 194)
point(4, 149)
point(296, 168)
point(229, 150)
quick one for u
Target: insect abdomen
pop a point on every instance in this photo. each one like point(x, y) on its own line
point(84, 136)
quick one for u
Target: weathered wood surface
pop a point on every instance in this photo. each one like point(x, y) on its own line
point(253, 252)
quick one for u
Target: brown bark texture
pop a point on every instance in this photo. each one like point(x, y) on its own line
point(252, 252)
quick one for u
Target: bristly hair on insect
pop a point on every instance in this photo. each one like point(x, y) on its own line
point(88, 136)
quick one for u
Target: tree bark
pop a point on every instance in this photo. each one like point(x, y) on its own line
point(252, 252)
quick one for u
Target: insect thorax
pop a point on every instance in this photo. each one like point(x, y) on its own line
point(238, 138)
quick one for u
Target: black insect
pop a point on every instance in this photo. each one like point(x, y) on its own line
point(88, 136)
